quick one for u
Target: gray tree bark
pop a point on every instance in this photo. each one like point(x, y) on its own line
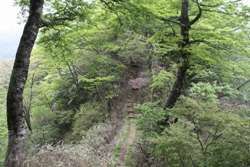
point(15, 110)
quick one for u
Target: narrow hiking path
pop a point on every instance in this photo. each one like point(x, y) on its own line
point(132, 98)
point(131, 135)
point(127, 143)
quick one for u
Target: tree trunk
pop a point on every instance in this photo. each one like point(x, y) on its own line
point(184, 64)
point(15, 114)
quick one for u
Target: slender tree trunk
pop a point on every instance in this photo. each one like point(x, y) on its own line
point(182, 70)
point(15, 114)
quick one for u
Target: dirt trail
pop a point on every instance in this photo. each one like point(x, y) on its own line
point(128, 141)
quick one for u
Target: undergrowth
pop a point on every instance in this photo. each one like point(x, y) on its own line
point(94, 150)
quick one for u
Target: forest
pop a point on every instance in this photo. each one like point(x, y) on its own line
point(128, 83)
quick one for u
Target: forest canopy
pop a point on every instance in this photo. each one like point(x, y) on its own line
point(182, 64)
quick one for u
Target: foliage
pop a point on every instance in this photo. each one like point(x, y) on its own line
point(49, 126)
point(151, 113)
point(161, 85)
point(161, 80)
point(79, 64)
point(3, 132)
point(89, 115)
point(204, 135)
point(208, 92)
point(5, 67)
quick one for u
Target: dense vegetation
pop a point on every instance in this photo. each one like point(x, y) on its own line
point(5, 67)
point(185, 63)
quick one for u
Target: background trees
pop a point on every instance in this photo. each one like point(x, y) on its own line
point(192, 56)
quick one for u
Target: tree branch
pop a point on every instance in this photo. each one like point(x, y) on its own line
point(235, 1)
point(206, 42)
point(215, 137)
point(199, 140)
point(210, 6)
point(57, 21)
point(198, 41)
point(111, 9)
point(115, 1)
point(168, 20)
point(244, 83)
point(27, 106)
point(198, 15)
point(217, 5)
point(217, 11)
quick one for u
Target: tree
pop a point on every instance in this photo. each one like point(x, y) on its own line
point(15, 111)
point(192, 42)
point(210, 57)
point(59, 15)
point(195, 32)
point(185, 24)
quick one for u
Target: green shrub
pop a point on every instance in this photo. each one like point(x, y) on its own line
point(205, 136)
point(208, 92)
point(50, 127)
point(3, 124)
point(161, 85)
point(88, 115)
point(150, 115)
